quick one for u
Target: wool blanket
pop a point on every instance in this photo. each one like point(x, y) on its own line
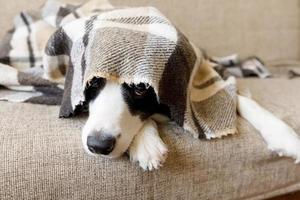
point(51, 58)
point(233, 66)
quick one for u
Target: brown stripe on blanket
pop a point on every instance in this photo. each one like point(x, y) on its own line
point(200, 131)
point(177, 74)
point(208, 83)
point(50, 90)
point(5, 47)
point(52, 94)
point(66, 109)
point(45, 99)
point(29, 45)
point(33, 80)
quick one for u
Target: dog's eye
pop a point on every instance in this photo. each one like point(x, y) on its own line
point(140, 89)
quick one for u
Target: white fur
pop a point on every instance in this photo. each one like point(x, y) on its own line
point(110, 114)
point(147, 147)
point(278, 135)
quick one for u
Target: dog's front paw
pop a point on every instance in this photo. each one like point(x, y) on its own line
point(147, 147)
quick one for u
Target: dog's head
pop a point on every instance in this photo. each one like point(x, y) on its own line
point(116, 114)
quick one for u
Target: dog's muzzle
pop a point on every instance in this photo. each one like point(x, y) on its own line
point(101, 144)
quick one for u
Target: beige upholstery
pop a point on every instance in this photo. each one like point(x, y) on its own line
point(42, 157)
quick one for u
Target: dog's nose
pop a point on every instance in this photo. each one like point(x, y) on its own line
point(101, 145)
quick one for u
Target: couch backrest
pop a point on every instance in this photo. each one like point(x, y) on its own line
point(267, 28)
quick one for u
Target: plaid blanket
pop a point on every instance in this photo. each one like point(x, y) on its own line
point(51, 58)
point(233, 66)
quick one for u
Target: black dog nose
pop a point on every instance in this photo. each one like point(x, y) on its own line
point(101, 145)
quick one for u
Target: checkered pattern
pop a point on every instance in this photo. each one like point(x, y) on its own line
point(51, 57)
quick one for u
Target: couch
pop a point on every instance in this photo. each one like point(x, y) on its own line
point(42, 156)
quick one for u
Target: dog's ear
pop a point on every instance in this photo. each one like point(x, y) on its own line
point(93, 88)
point(58, 44)
point(56, 55)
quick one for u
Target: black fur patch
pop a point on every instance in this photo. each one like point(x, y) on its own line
point(145, 104)
point(93, 89)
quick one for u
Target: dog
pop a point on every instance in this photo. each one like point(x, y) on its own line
point(123, 114)
point(124, 117)
point(137, 46)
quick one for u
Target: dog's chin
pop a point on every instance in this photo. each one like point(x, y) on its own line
point(109, 156)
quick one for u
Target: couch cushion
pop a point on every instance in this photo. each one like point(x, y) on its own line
point(42, 158)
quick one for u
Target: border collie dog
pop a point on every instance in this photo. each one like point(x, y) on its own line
point(133, 69)
point(121, 117)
